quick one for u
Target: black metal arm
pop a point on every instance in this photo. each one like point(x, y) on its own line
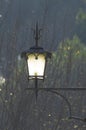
point(55, 91)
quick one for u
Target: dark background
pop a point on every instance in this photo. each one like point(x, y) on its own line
point(63, 24)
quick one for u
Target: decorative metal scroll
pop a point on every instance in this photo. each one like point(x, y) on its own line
point(56, 91)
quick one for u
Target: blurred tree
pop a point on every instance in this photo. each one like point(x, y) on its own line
point(81, 25)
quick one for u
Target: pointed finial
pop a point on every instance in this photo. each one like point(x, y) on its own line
point(37, 34)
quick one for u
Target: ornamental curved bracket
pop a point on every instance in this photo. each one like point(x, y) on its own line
point(55, 91)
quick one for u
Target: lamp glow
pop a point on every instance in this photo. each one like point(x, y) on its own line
point(36, 66)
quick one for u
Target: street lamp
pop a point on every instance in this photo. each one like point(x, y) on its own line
point(36, 58)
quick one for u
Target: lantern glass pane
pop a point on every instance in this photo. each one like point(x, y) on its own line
point(36, 65)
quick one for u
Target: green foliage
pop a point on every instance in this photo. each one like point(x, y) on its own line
point(70, 55)
point(74, 46)
point(81, 25)
point(81, 16)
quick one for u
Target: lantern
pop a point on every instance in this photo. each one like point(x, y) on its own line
point(36, 58)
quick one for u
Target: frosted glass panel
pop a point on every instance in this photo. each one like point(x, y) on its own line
point(36, 66)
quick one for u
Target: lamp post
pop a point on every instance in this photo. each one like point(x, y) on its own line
point(36, 58)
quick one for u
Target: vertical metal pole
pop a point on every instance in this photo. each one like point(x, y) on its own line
point(36, 88)
point(37, 34)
